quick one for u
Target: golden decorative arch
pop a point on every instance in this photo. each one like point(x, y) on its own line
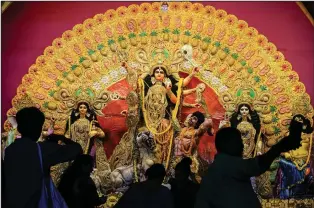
point(235, 61)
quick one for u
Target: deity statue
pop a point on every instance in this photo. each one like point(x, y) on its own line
point(247, 121)
point(83, 127)
point(294, 167)
point(161, 96)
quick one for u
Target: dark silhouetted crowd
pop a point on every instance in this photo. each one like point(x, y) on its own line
point(26, 180)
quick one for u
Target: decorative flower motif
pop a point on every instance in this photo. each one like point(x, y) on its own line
point(99, 18)
point(221, 14)
point(299, 88)
point(122, 11)
point(133, 9)
point(78, 29)
point(270, 48)
point(67, 35)
point(286, 66)
point(261, 40)
point(105, 80)
point(223, 89)
point(27, 80)
point(174, 6)
point(215, 81)
point(89, 24)
point(110, 14)
point(114, 74)
point(49, 51)
point(278, 56)
point(207, 74)
point(97, 86)
point(123, 71)
point(251, 32)
point(156, 7)
point(145, 8)
point(231, 19)
point(293, 77)
point(21, 90)
point(197, 7)
point(58, 43)
point(187, 6)
point(209, 10)
point(41, 61)
point(33, 69)
point(242, 25)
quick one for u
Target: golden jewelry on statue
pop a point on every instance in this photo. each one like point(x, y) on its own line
point(248, 137)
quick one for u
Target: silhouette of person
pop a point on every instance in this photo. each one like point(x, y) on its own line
point(22, 169)
point(182, 188)
point(77, 187)
point(227, 183)
point(148, 194)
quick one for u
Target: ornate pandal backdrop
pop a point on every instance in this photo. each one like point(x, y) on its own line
point(235, 60)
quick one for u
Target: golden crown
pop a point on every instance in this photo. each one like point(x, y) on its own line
point(84, 94)
point(245, 95)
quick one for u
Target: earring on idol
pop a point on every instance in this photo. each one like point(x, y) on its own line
point(88, 115)
point(153, 80)
point(76, 114)
point(239, 116)
point(249, 117)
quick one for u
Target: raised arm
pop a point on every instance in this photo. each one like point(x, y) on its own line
point(208, 123)
point(189, 91)
point(54, 153)
point(188, 79)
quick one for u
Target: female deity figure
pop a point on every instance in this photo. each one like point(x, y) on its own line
point(83, 127)
point(161, 96)
point(247, 121)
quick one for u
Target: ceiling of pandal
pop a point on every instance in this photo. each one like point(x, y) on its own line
point(306, 7)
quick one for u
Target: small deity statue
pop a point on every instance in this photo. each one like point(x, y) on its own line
point(247, 121)
point(294, 166)
point(83, 127)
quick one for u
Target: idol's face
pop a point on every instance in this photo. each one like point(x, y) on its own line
point(244, 110)
point(83, 109)
point(159, 74)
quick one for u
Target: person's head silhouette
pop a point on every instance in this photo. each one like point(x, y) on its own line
point(30, 122)
point(156, 172)
point(183, 169)
point(229, 141)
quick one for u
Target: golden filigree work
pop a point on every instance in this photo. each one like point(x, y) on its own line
point(86, 61)
point(226, 48)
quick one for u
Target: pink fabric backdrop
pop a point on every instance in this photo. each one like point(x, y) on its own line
point(29, 27)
